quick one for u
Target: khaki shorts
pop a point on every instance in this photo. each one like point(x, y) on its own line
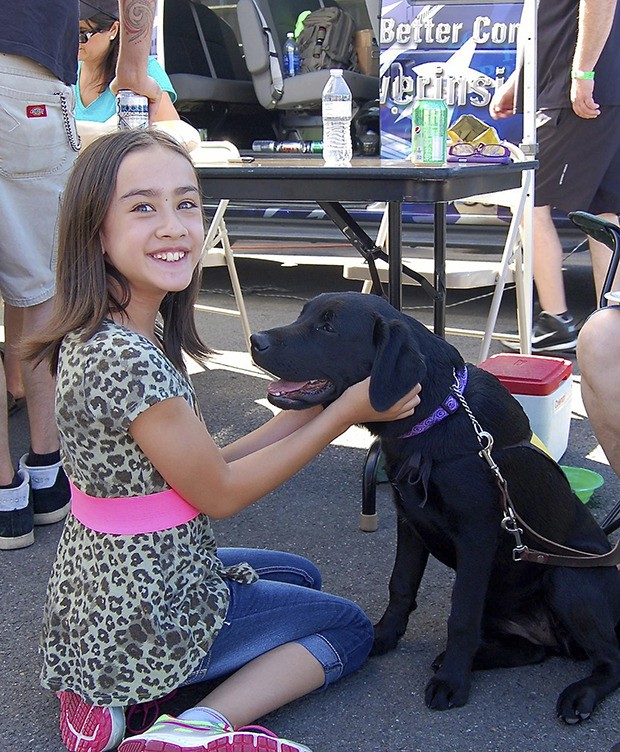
point(38, 146)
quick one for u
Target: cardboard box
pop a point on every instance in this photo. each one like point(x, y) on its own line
point(367, 51)
point(543, 386)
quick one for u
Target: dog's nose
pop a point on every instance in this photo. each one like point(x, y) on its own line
point(259, 341)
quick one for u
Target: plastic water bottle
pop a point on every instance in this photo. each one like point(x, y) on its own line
point(337, 112)
point(292, 61)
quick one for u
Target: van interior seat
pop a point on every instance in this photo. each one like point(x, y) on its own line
point(203, 57)
point(264, 24)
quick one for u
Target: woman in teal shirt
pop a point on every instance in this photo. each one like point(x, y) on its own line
point(98, 52)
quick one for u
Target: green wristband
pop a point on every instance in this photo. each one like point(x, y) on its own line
point(587, 74)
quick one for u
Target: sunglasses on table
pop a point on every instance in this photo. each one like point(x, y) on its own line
point(463, 151)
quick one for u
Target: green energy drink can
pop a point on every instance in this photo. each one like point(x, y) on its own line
point(429, 130)
point(313, 147)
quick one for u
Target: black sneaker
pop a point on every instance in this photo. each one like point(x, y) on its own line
point(16, 516)
point(51, 496)
point(554, 333)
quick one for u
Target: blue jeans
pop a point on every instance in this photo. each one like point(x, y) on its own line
point(285, 605)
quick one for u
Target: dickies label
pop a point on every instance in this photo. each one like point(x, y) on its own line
point(36, 111)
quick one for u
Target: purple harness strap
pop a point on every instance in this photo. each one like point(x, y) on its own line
point(448, 406)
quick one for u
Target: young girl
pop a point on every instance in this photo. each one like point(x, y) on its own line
point(140, 602)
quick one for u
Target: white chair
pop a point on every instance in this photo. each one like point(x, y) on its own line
point(216, 249)
point(511, 264)
point(472, 274)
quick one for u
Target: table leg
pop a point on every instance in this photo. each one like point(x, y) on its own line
point(439, 233)
point(395, 239)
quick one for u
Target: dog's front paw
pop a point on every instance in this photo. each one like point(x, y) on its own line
point(576, 703)
point(442, 694)
point(388, 631)
point(438, 662)
point(385, 640)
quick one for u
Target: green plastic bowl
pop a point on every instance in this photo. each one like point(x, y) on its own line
point(583, 482)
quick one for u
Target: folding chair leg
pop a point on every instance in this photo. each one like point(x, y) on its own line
point(368, 517)
point(217, 233)
point(510, 252)
point(513, 253)
point(216, 224)
point(236, 286)
point(523, 320)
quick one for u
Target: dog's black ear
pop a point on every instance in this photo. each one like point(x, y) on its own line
point(398, 364)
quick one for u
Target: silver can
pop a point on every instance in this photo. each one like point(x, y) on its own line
point(266, 146)
point(132, 110)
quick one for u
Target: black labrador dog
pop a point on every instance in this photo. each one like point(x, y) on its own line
point(504, 612)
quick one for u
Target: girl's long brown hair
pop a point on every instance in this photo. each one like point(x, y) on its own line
point(84, 295)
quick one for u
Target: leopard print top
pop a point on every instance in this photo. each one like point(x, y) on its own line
point(127, 617)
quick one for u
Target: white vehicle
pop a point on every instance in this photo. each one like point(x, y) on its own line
point(225, 62)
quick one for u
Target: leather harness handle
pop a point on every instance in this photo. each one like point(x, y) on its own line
point(610, 559)
point(561, 556)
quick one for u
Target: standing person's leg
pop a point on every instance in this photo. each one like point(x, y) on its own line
point(48, 482)
point(37, 155)
point(554, 329)
point(594, 187)
point(606, 204)
point(567, 182)
point(6, 463)
point(16, 514)
point(13, 321)
point(39, 384)
point(547, 263)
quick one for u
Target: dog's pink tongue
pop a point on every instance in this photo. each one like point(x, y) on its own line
point(280, 386)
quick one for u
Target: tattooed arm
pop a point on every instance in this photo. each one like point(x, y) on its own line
point(137, 17)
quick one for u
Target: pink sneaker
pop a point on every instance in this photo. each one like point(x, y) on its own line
point(170, 734)
point(89, 728)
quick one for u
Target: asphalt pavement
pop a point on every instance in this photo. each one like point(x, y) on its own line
point(316, 513)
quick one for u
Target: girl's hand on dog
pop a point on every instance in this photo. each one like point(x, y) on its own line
point(357, 399)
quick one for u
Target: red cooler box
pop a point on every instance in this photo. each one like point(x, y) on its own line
point(543, 386)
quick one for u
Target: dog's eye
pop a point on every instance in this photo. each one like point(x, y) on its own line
point(326, 327)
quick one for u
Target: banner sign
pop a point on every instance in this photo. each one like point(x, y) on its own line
point(459, 52)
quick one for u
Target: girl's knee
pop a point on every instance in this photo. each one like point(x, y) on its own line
point(357, 639)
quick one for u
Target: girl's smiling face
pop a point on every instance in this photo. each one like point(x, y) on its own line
point(153, 230)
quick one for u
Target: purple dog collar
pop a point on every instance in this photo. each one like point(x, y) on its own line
point(448, 406)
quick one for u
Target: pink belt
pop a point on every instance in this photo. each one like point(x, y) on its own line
point(131, 515)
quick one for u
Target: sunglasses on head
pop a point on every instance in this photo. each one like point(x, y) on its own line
point(464, 151)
